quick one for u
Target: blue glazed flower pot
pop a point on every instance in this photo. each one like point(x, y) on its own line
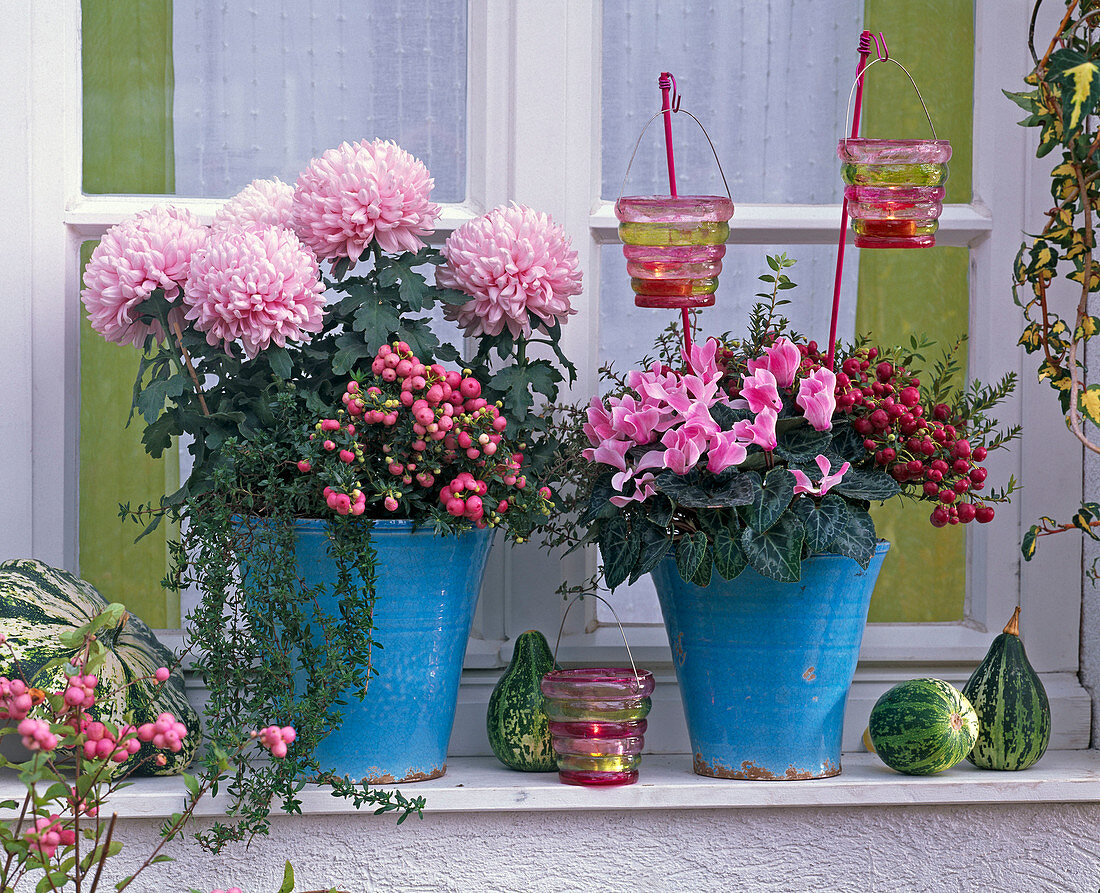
point(765, 667)
point(427, 588)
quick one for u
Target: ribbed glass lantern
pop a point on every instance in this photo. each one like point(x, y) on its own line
point(597, 722)
point(674, 247)
point(895, 190)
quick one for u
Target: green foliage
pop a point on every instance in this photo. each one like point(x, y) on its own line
point(253, 636)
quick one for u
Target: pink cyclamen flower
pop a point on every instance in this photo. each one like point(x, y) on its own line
point(760, 431)
point(725, 450)
point(817, 397)
point(610, 452)
point(148, 251)
point(781, 359)
point(255, 288)
point(643, 487)
point(363, 192)
point(828, 481)
point(262, 203)
point(598, 428)
point(512, 262)
point(633, 419)
point(760, 390)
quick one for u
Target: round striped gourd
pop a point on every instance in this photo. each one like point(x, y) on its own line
point(519, 732)
point(38, 603)
point(1011, 704)
point(922, 726)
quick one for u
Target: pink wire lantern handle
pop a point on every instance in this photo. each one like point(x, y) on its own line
point(865, 40)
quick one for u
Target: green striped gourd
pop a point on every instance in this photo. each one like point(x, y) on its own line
point(1011, 703)
point(519, 732)
point(922, 726)
point(38, 603)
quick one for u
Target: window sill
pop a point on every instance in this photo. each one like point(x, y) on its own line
point(481, 784)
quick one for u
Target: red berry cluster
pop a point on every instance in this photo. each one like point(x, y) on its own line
point(416, 422)
point(914, 445)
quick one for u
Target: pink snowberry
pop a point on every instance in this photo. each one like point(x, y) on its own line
point(163, 674)
point(304, 467)
point(390, 503)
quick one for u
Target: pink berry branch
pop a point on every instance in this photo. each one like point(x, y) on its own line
point(61, 731)
point(1062, 103)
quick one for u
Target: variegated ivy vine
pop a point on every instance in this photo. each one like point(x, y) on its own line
point(1063, 105)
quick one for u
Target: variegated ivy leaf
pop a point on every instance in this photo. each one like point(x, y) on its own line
point(1088, 401)
point(1027, 547)
point(1078, 83)
point(1032, 338)
point(1063, 185)
point(1090, 325)
point(1078, 275)
point(1043, 258)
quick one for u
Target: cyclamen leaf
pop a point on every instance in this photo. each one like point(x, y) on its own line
point(655, 545)
point(706, 565)
point(771, 500)
point(729, 555)
point(822, 521)
point(856, 538)
point(803, 444)
point(776, 553)
point(689, 554)
point(619, 547)
point(868, 485)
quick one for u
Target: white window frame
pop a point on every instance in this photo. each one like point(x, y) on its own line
point(533, 131)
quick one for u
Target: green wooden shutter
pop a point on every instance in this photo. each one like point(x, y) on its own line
point(127, 91)
point(905, 292)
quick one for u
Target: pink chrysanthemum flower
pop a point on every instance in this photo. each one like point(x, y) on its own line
point(148, 251)
point(256, 288)
point(356, 193)
point(262, 203)
point(512, 261)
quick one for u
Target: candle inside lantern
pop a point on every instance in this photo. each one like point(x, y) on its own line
point(597, 723)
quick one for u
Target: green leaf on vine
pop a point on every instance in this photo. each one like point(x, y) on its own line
point(619, 547)
point(1088, 401)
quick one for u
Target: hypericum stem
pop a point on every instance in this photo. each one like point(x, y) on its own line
point(190, 368)
point(104, 853)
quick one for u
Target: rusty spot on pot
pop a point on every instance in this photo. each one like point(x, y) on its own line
point(749, 771)
point(412, 775)
point(809, 675)
point(678, 650)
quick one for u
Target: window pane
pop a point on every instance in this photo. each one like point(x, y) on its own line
point(770, 82)
point(257, 90)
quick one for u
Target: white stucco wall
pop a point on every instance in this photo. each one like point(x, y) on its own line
point(936, 849)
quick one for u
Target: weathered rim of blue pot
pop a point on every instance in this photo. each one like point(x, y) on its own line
point(404, 526)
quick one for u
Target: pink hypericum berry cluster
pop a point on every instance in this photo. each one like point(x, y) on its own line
point(81, 690)
point(100, 743)
point(276, 739)
point(47, 835)
point(167, 733)
point(421, 421)
point(913, 444)
point(16, 700)
point(36, 735)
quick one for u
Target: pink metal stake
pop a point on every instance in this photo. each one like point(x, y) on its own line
point(668, 83)
point(864, 51)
